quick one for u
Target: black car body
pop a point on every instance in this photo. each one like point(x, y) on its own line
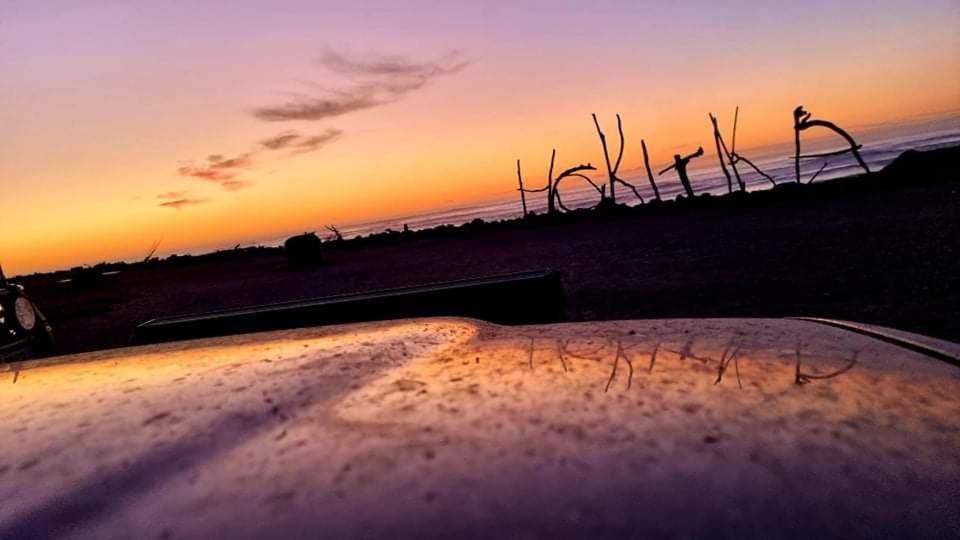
point(24, 332)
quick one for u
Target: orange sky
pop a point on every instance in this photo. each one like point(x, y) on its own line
point(430, 105)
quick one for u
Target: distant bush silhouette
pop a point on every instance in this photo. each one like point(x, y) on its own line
point(303, 249)
point(337, 237)
point(86, 277)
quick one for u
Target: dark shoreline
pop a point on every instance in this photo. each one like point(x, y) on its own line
point(880, 248)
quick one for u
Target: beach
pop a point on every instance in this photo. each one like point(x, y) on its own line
point(880, 249)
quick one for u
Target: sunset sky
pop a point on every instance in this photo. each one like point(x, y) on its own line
point(207, 124)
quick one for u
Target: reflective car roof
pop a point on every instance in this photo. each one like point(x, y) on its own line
point(454, 427)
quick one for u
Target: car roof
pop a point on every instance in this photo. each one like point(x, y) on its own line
point(456, 427)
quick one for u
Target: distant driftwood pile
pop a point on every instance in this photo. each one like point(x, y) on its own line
point(305, 249)
point(727, 156)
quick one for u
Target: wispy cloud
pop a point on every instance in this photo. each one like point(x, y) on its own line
point(382, 65)
point(170, 195)
point(220, 170)
point(378, 80)
point(300, 144)
point(243, 161)
point(280, 141)
point(177, 200)
point(178, 204)
point(235, 185)
point(204, 173)
point(374, 80)
point(225, 170)
point(306, 108)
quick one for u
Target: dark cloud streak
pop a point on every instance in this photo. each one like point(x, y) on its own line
point(204, 173)
point(316, 142)
point(235, 185)
point(301, 144)
point(385, 65)
point(382, 80)
point(170, 195)
point(281, 141)
point(221, 170)
point(178, 204)
point(341, 103)
point(243, 161)
point(374, 81)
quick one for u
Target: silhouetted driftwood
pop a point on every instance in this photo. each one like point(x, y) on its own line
point(613, 169)
point(680, 164)
point(551, 205)
point(576, 172)
point(152, 251)
point(337, 237)
point(736, 158)
point(553, 184)
point(815, 175)
point(548, 188)
point(725, 156)
point(646, 164)
point(733, 149)
point(802, 121)
point(728, 157)
point(722, 155)
point(733, 139)
point(523, 194)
